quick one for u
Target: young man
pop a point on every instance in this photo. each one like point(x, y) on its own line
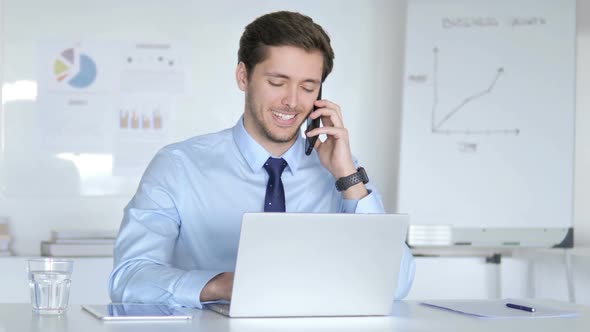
point(179, 236)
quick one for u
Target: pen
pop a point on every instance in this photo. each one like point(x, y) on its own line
point(520, 307)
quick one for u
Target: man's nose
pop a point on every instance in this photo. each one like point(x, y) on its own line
point(290, 98)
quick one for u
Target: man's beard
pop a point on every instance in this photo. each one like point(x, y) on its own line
point(264, 127)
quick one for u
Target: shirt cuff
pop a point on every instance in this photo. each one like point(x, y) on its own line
point(368, 204)
point(188, 290)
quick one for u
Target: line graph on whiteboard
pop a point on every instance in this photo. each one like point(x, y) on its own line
point(440, 117)
point(487, 121)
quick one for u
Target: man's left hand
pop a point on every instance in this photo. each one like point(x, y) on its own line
point(334, 152)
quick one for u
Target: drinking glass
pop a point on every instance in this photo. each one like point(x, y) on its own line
point(49, 280)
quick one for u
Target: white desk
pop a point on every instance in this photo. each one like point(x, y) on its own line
point(410, 316)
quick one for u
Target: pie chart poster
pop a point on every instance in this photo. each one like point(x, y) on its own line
point(75, 83)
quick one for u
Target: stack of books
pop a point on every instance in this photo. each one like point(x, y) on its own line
point(79, 243)
point(5, 240)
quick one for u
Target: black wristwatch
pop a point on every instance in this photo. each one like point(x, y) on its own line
point(348, 181)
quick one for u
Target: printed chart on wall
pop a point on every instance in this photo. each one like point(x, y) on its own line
point(106, 107)
point(488, 114)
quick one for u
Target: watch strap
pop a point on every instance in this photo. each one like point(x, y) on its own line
point(346, 182)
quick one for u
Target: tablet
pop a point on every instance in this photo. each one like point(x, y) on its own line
point(135, 311)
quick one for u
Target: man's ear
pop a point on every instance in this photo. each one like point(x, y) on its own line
point(242, 76)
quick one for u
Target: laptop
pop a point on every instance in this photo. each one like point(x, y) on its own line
point(305, 265)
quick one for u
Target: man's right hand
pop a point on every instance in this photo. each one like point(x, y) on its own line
point(218, 288)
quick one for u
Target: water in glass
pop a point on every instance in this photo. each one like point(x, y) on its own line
point(50, 291)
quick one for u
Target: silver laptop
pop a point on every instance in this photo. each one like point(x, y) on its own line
point(292, 264)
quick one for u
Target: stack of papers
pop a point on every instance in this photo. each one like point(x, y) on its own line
point(79, 243)
point(497, 309)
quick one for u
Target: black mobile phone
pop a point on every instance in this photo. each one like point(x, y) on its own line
point(312, 124)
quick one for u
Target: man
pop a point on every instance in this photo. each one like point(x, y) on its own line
point(179, 236)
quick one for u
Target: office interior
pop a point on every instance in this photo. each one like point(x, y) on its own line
point(38, 197)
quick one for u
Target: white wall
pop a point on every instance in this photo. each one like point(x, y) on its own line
point(366, 82)
point(582, 171)
point(377, 143)
point(436, 278)
point(528, 275)
point(33, 218)
point(89, 280)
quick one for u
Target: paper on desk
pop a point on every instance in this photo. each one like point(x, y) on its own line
point(496, 309)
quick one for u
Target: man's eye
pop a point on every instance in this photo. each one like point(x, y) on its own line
point(308, 89)
point(275, 83)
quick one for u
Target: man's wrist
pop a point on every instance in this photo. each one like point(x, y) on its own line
point(356, 192)
point(211, 290)
point(346, 182)
point(352, 185)
point(345, 172)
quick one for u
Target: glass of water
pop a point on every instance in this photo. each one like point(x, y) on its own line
point(49, 280)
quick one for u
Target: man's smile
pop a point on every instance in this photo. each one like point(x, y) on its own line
point(284, 119)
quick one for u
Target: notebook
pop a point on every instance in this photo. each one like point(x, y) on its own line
point(302, 265)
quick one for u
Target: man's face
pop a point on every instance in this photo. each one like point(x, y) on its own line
point(280, 93)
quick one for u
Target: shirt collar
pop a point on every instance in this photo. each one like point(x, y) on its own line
point(256, 155)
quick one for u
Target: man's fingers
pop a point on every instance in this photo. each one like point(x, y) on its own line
point(330, 117)
point(328, 104)
point(336, 132)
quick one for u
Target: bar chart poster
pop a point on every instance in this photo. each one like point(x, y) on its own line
point(487, 133)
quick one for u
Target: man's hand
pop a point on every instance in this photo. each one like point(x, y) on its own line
point(218, 288)
point(334, 152)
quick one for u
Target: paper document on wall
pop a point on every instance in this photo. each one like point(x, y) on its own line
point(497, 309)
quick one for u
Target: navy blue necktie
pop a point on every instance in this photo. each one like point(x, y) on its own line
point(275, 192)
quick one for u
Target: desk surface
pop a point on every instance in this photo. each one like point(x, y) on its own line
point(409, 316)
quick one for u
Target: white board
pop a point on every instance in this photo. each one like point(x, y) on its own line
point(488, 115)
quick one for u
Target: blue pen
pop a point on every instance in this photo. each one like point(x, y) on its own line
point(520, 307)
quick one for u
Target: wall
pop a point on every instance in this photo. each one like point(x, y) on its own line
point(582, 168)
point(33, 218)
point(89, 280)
point(436, 278)
point(368, 93)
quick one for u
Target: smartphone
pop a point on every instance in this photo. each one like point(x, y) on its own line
point(312, 124)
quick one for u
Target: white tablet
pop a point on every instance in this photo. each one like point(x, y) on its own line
point(135, 311)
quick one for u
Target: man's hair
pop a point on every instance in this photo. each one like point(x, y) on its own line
point(283, 29)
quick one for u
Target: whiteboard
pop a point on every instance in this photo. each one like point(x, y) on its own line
point(487, 138)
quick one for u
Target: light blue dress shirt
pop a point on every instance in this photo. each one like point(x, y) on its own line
point(182, 227)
